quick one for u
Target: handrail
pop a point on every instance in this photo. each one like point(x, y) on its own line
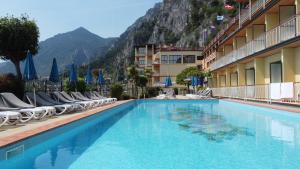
point(254, 92)
point(282, 32)
point(245, 15)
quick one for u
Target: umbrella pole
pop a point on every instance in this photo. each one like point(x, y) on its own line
point(34, 94)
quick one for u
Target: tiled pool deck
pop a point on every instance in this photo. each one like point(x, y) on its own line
point(12, 134)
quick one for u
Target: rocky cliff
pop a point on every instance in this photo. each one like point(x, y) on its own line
point(176, 22)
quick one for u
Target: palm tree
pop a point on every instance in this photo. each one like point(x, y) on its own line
point(148, 74)
point(133, 75)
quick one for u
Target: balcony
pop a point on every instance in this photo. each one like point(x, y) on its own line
point(149, 64)
point(268, 39)
point(243, 17)
point(257, 92)
point(257, 5)
point(156, 74)
point(156, 63)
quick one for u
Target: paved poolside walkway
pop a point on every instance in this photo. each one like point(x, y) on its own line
point(11, 134)
point(282, 106)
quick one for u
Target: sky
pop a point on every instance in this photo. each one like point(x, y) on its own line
point(106, 18)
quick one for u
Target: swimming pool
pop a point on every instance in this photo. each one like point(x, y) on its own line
point(166, 135)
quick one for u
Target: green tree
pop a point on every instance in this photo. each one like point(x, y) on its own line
point(148, 74)
point(116, 91)
point(142, 82)
point(186, 73)
point(133, 75)
point(17, 36)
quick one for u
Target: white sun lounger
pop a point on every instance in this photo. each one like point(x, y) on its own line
point(28, 111)
point(9, 117)
point(60, 109)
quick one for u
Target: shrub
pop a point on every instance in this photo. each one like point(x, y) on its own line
point(80, 86)
point(116, 91)
point(125, 97)
point(10, 83)
point(175, 90)
point(152, 91)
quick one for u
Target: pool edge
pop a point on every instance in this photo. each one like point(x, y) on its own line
point(20, 136)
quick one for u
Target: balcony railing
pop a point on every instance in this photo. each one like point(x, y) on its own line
point(261, 92)
point(244, 16)
point(273, 37)
point(257, 5)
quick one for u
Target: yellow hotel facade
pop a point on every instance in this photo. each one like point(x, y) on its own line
point(257, 56)
point(166, 61)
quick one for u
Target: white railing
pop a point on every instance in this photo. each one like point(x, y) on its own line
point(244, 51)
point(257, 5)
point(244, 16)
point(297, 91)
point(156, 62)
point(272, 37)
point(260, 92)
point(277, 35)
point(288, 29)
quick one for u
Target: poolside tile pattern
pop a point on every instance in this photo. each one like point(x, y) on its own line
point(20, 133)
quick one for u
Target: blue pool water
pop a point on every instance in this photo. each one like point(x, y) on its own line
point(168, 135)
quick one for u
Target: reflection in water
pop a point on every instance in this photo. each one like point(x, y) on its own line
point(282, 131)
point(211, 126)
point(59, 152)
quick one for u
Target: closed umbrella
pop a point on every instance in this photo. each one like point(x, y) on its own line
point(54, 75)
point(89, 76)
point(30, 72)
point(194, 81)
point(200, 81)
point(73, 74)
point(170, 81)
point(101, 80)
point(167, 82)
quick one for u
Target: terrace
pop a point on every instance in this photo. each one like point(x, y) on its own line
point(280, 34)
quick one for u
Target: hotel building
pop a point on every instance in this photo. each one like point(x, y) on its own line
point(257, 52)
point(166, 61)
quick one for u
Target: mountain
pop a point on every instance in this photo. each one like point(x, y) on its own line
point(79, 46)
point(176, 22)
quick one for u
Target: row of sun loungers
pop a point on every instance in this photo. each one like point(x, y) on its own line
point(168, 95)
point(202, 94)
point(13, 110)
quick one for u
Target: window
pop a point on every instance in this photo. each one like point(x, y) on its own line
point(250, 77)
point(222, 82)
point(173, 59)
point(199, 57)
point(189, 59)
point(142, 51)
point(142, 61)
point(164, 59)
point(276, 72)
point(234, 79)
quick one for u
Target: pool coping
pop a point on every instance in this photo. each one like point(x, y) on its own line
point(275, 106)
point(22, 135)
